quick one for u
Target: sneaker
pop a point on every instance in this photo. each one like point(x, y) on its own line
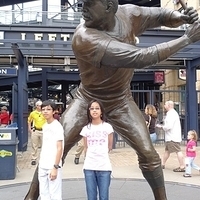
point(33, 162)
point(186, 175)
point(76, 161)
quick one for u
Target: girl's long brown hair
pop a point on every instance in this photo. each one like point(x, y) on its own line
point(151, 110)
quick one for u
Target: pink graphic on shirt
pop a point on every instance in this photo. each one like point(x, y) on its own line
point(96, 138)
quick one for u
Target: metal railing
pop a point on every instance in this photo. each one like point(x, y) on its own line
point(36, 17)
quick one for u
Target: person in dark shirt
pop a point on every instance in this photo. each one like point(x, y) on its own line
point(150, 118)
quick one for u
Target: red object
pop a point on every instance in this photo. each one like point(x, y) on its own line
point(11, 118)
point(4, 117)
point(159, 77)
point(56, 116)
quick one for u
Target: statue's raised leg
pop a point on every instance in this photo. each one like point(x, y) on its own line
point(33, 192)
point(156, 182)
point(128, 121)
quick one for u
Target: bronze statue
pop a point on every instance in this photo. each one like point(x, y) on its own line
point(104, 46)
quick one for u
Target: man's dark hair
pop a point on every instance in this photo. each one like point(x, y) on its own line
point(49, 103)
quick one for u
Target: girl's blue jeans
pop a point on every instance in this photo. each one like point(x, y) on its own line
point(153, 137)
point(190, 164)
point(97, 182)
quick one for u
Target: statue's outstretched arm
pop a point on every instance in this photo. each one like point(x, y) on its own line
point(130, 56)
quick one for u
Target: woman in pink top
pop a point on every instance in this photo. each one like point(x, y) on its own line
point(191, 153)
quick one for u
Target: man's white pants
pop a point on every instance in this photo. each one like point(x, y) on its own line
point(49, 189)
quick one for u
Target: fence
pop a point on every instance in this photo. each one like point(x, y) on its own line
point(158, 98)
point(23, 17)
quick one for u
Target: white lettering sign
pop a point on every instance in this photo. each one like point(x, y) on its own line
point(38, 36)
point(65, 37)
point(5, 136)
point(51, 36)
point(23, 36)
point(3, 71)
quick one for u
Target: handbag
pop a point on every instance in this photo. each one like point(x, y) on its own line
point(149, 122)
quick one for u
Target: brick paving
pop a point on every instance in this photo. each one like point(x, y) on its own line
point(127, 180)
point(124, 163)
point(121, 156)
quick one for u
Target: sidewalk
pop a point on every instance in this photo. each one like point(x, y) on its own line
point(125, 173)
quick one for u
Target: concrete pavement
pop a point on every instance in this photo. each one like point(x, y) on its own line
point(127, 180)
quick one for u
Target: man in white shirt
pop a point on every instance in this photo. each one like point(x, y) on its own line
point(173, 136)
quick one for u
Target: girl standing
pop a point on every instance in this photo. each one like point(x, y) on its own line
point(191, 153)
point(98, 141)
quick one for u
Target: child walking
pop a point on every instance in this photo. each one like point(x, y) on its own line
point(98, 141)
point(49, 172)
point(191, 153)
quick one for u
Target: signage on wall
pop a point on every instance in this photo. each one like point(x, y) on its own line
point(159, 77)
point(5, 136)
point(8, 71)
point(182, 74)
point(4, 153)
point(49, 36)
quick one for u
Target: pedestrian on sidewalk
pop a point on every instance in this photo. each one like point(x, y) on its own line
point(35, 122)
point(173, 136)
point(79, 151)
point(191, 153)
point(98, 141)
point(4, 117)
point(49, 172)
point(150, 118)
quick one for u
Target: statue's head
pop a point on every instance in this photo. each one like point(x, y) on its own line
point(97, 12)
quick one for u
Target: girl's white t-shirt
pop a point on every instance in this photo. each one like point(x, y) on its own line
point(52, 133)
point(97, 157)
